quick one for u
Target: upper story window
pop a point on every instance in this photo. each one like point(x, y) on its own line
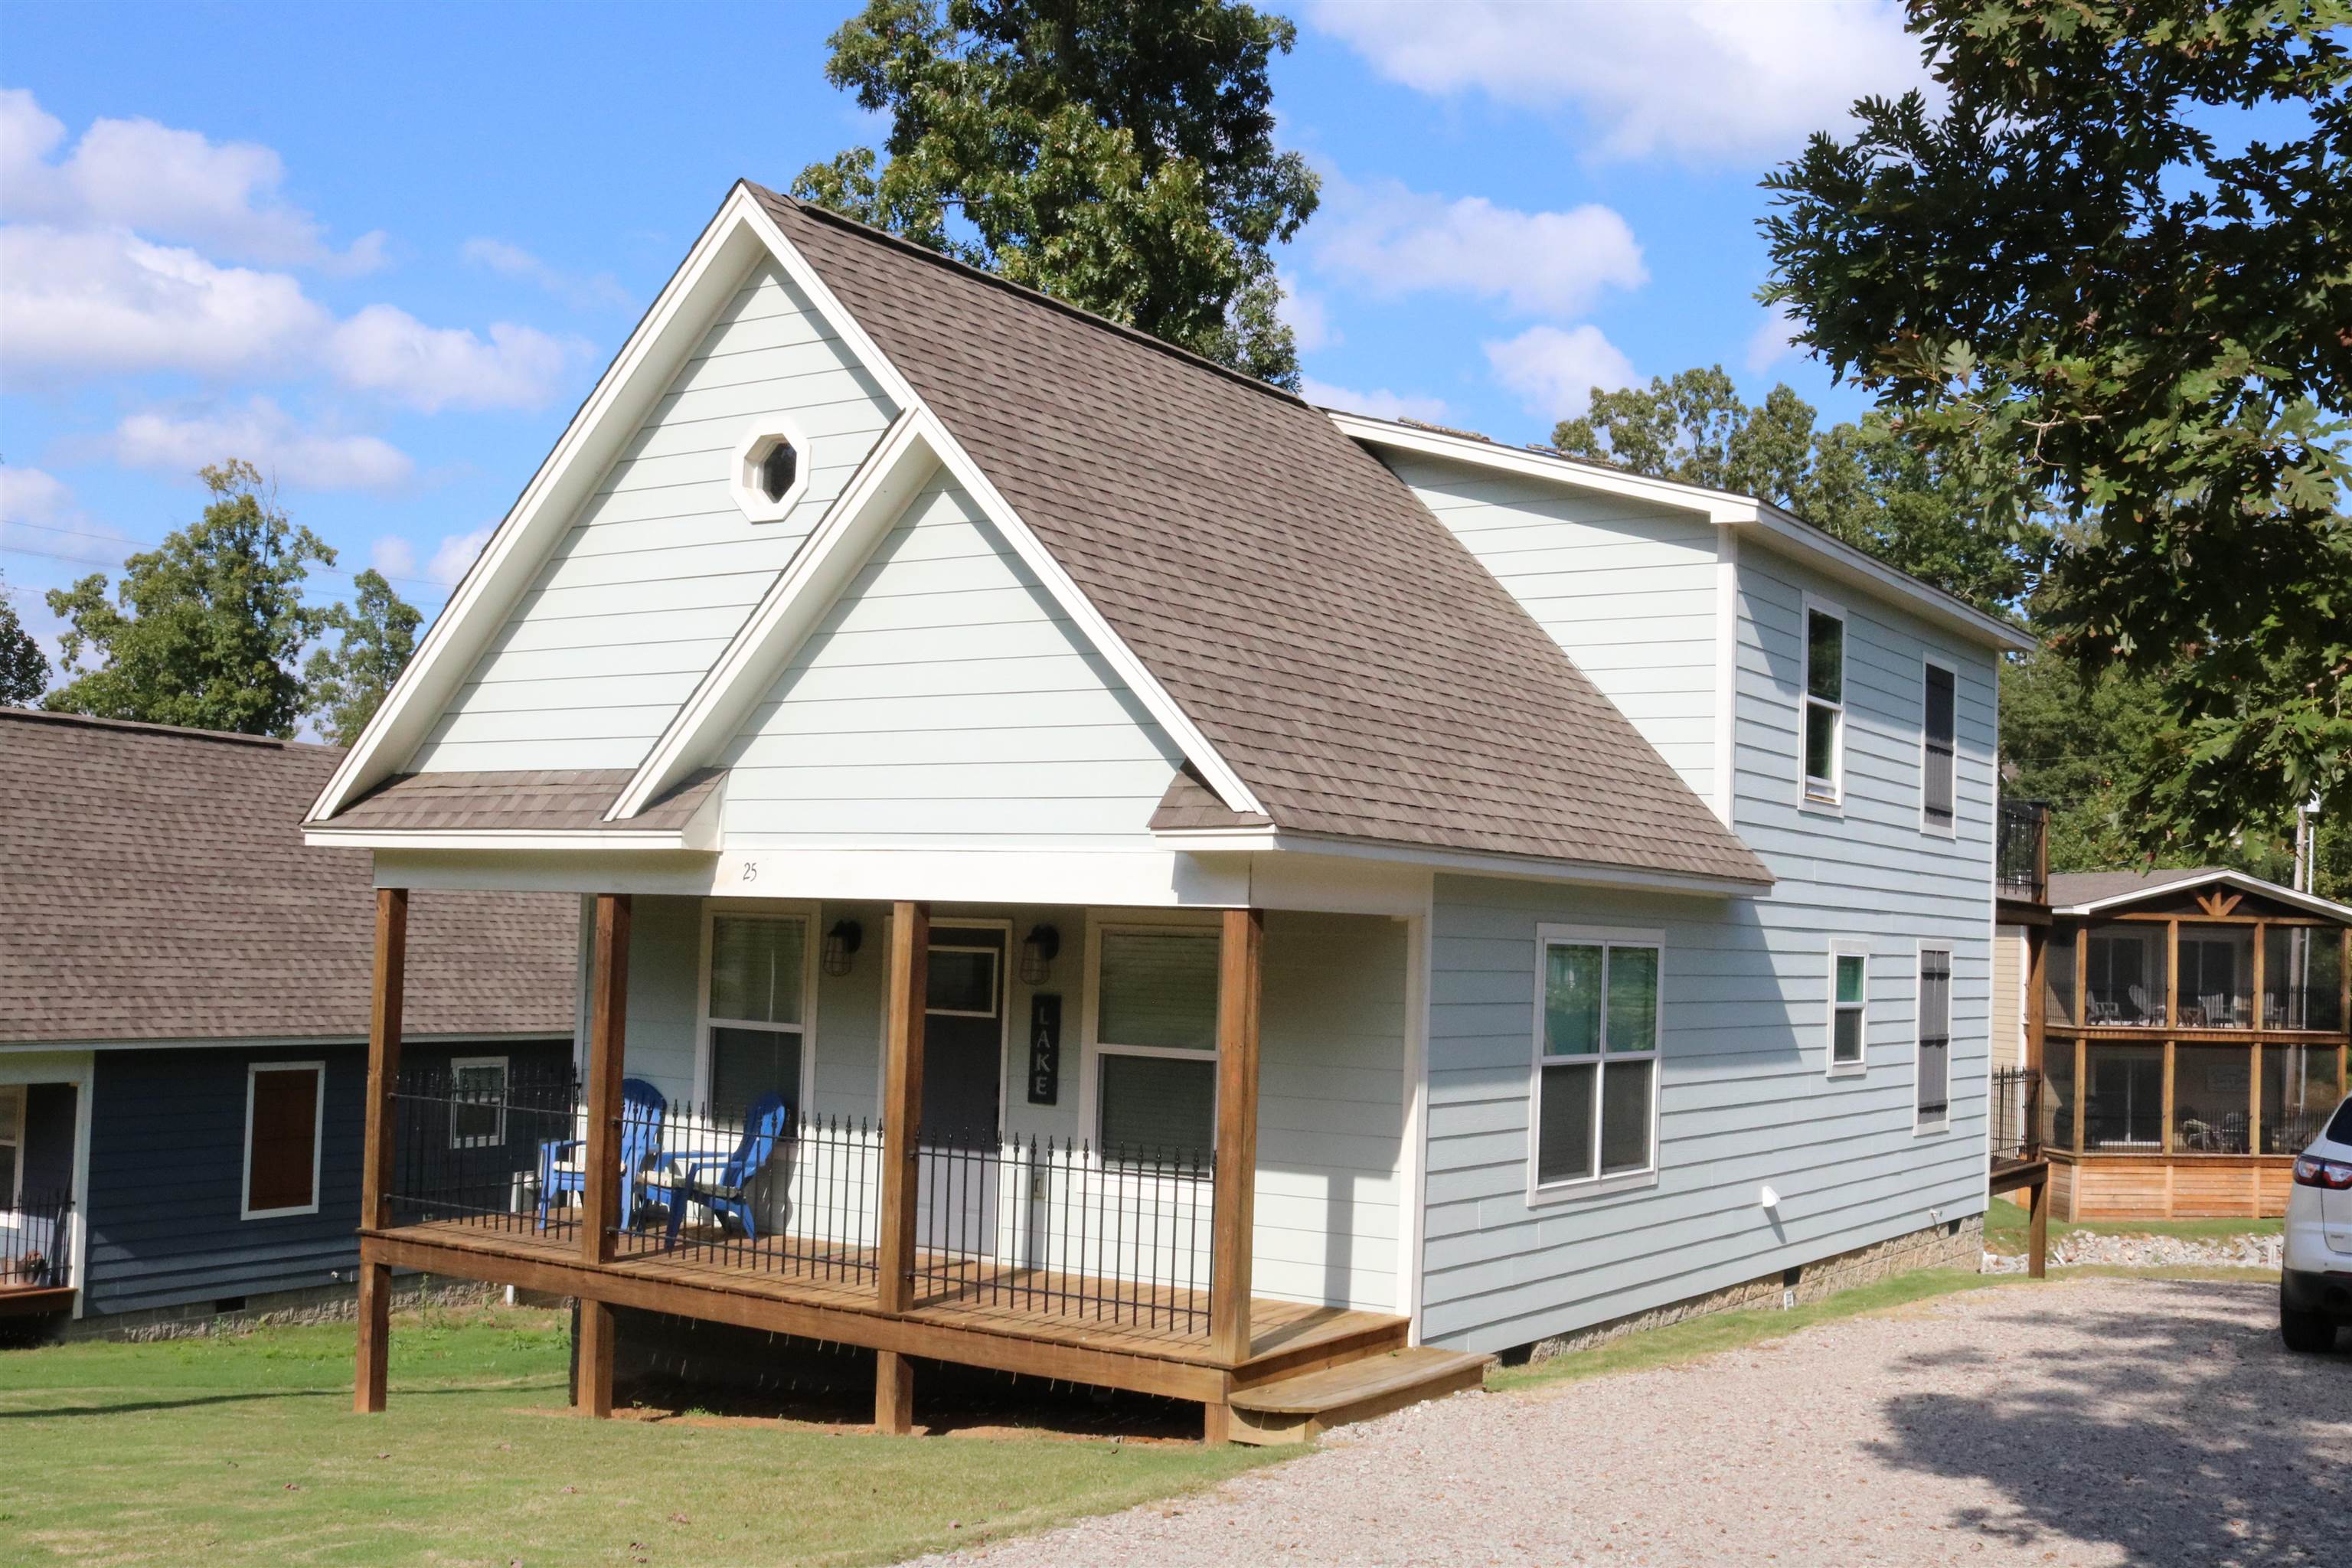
point(1937, 737)
point(771, 470)
point(1596, 1069)
point(1824, 726)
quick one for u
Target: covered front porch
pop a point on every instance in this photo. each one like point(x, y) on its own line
point(1096, 1145)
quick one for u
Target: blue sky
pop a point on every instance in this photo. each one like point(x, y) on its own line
point(383, 250)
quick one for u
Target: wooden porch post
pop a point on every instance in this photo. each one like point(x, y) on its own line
point(384, 996)
point(2037, 1244)
point(600, 1194)
point(1232, 1215)
point(902, 1113)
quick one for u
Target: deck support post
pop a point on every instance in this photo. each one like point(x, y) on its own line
point(385, 992)
point(894, 1394)
point(1232, 1213)
point(608, 1006)
point(593, 1391)
point(902, 1106)
point(2037, 1247)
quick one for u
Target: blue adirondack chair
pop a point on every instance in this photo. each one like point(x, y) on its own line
point(720, 1181)
point(642, 1109)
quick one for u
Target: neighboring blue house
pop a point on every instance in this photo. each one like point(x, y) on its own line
point(183, 1008)
point(1381, 886)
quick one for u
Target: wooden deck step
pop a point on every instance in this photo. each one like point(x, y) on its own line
point(1298, 1409)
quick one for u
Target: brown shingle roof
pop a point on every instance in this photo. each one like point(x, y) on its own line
point(572, 800)
point(155, 887)
point(2068, 889)
point(1335, 643)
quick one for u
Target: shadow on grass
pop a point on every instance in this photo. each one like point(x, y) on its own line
point(197, 1401)
point(2178, 1432)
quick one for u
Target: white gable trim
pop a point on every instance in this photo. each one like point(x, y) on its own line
point(914, 448)
point(2310, 903)
point(738, 238)
point(1832, 556)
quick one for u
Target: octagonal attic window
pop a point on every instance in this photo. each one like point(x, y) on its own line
point(771, 471)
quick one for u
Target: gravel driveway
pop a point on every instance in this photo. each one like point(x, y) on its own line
point(2110, 1421)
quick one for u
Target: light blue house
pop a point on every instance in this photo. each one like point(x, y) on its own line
point(1222, 889)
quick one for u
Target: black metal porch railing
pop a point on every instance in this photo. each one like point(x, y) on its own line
point(36, 1242)
point(1034, 1227)
point(2021, 851)
point(2016, 1113)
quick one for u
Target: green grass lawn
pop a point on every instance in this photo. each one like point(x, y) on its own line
point(244, 1449)
point(2005, 1227)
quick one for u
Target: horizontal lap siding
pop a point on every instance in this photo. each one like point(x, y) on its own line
point(661, 567)
point(945, 696)
point(1628, 590)
point(1744, 1098)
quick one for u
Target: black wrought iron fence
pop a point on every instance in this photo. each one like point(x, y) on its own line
point(2016, 1113)
point(2020, 858)
point(485, 1155)
point(36, 1242)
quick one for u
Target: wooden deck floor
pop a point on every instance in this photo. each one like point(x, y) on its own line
point(975, 1311)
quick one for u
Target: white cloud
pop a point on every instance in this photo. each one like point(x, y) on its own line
point(30, 495)
point(599, 291)
point(384, 349)
point(1309, 317)
point(103, 300)
point(266, 435)
point(1704, 80)
point(1390, 241)
point(1381, 404)
point(1554, 368)
point(456, 554)
point(393, 556)
point(163, 182)
point(1770, 343)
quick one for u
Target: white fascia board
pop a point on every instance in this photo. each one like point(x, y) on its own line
point(506, 838)
point(1833, 556)
point(1468, 862)
point(899, 466)
point(739, 237)
point(2311, 903)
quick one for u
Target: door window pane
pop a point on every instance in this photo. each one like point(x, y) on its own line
point(1159, 1108)
point(755, 969)
point(1157, 988)
point(1564, 1122)
point(1625, 1117)
point(746, 1064)
point(961, 980)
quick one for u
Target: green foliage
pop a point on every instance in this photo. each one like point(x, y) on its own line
point(206, 627)
point(1118, 153)
point(1857, 482)
point(23, 668)
point(346, 684)
point(2069, 286)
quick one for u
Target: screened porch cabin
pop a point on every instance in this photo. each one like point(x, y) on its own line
point(2193, 1041)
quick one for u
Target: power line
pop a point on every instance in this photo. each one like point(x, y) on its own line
point(425, 583)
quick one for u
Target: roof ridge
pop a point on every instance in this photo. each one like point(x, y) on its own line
point(1023, 290)
point(181, 731)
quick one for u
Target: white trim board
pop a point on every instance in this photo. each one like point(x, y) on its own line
point(1791, 533)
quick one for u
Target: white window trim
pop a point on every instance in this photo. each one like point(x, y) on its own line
point(1949, 829)
point(1596, 1185)
point(22, 1096)
point(506, 1073)
point(317, 1141)
point(1920, 1126)
point(1807, 605)
point(703, 1022)
point(742, 473)
point(1847, 948)
point(1092, 1048)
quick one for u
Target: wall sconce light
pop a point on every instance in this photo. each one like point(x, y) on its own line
point(1038, 951)
point(841, 944)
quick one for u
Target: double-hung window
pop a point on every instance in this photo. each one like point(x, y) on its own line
point(477, 1101)
point(1935, 748)
point(1156, 1043)
point(1849, 1005)
point(1823, 739)
point(1934, 1039)
point(1596, 1069)
point(758, 990)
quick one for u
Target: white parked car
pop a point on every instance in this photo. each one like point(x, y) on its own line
point(2315, 1288)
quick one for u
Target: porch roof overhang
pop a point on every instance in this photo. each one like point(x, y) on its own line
point(2157, 884)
